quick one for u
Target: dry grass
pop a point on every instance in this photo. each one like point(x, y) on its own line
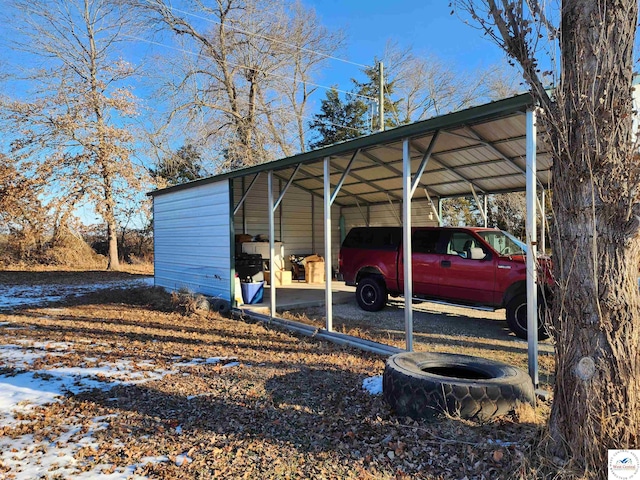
point(125, 269)
point(437, 328)
point(293, 408)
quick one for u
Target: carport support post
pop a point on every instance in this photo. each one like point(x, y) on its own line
point(543, 223)
point(272, 232)
point(486, 210)
point(328, 295)
point(406, 244)
point(532, 288)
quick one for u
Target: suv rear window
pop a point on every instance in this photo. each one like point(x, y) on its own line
point(374, 238)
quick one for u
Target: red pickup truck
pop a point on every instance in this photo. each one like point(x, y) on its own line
point(475, 267)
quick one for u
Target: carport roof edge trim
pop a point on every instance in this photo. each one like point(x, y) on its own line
point(499, 108)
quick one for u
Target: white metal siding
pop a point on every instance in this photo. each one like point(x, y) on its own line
point(387, 216)
point(192, 240)
point(296, 222)
point(318, 229)
point(299, 222)
point(256, 207)
point(422, 214)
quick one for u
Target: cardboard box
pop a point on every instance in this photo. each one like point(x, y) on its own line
point(283, 277)
point(314, 272)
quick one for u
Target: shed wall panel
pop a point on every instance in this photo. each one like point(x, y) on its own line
point(256, 207)
point(383, 215)
point(297, 223)
point(299, 220)
point(318, 229)
point(192, 240)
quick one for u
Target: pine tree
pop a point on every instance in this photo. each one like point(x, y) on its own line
point(371, 89)
point(339, 120)
point(185, 165)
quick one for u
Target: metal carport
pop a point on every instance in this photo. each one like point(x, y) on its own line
point(487, 149)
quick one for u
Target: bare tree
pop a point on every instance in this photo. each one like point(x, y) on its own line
point(426, 85)
point(244, 75)
point(596, 204)
point(75, 121)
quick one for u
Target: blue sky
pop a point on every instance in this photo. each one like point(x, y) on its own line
point(426, 25)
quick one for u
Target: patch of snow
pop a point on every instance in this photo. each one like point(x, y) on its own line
point(23, 353)
point(373, 385)
point(25, 389)
point(57, 346)
point(158, 459)
point(207, 361)
point(55, 457)
point(232, 364)
point(183, 459)
point(20, 392)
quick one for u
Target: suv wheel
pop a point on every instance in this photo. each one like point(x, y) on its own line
point(371, 294)
point(517, 317)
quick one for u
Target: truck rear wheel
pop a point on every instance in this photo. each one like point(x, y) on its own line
point(371, 294)
point(517, 317)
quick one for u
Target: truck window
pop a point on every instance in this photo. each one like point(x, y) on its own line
point(425, 241)
point(504, 243)
point(461, 243)
point(374, 238)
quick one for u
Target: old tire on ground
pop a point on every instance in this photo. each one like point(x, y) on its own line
point(517, 316)
point(371, 294)
point(221, 306)
point(424, 385)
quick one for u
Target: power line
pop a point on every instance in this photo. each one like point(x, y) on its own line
point(247, 67)
point(206, 19)
point(291, 114)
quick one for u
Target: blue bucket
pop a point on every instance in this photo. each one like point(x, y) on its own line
point(252, 292)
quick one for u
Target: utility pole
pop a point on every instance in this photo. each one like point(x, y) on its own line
point(381, 96)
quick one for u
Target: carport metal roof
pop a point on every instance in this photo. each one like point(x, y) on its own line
point(479, 150)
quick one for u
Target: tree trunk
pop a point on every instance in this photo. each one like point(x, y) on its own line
point(114, 262)
point(112, 230)
point(596, 249)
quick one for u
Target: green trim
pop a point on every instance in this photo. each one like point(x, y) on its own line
point(232, 249)
point(498, 109)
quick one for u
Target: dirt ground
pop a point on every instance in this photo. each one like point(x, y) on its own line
point(278, 406)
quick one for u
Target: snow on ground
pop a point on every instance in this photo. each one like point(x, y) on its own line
point(28, 459)
point(24, 388)
point(373, 385)
point(25, 295)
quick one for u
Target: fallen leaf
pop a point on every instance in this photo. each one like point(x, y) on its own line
point(497, 455)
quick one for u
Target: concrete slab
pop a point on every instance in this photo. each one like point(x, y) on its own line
point(302, 295)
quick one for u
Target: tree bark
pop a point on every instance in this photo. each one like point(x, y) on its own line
point(112, 227)
point(596, 249)
point(112, 235)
